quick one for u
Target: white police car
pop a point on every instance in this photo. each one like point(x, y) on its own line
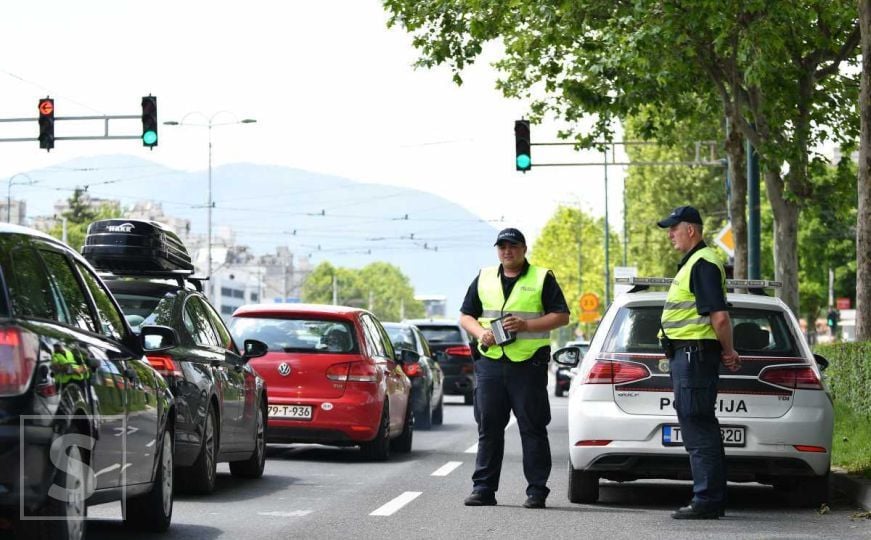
point(775, 415)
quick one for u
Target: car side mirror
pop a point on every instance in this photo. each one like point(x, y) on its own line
point(254, 348)
point(568, 356)
point(439, 356)
point(821, 362)
point(407, 356)
point(155, 338)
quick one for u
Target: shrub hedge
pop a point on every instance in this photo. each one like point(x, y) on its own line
point(849, 374)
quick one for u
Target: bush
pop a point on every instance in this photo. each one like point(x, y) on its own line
point(849, 374)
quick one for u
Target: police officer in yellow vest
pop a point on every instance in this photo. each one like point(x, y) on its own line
point(65, 367)
point(512, 377)
point(696, 323)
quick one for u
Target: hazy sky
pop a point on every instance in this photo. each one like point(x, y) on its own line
point(332, 89)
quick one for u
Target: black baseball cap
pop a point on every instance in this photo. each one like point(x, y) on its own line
point(510, 235)
point(681, 213)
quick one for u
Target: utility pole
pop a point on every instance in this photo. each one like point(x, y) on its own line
point(335, 291)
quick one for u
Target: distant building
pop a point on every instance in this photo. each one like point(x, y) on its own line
point(434, 305)
point(15, 212)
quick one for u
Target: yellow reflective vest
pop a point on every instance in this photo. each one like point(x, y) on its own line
point(680, 319)
point(524, 302)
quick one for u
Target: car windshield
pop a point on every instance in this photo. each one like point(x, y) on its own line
point(442, 334)
point(755, 332)
point(401, 337)
point(296, 335)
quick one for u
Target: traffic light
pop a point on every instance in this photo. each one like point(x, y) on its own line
point(522, 144)
point(149, 121)
point(46, 123)
point(832, 320)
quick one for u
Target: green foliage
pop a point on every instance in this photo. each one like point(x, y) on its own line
point(379, 286)
point(849, 375)
point(851, 441)
point(79, 215)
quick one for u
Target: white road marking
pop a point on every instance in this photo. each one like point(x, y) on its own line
point(472, 449)
point(447, 468)
point(511, 422)
point(393, 506)
point(294, 513)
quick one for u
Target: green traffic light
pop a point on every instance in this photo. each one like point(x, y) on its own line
point(523, 162)
point(149, 137)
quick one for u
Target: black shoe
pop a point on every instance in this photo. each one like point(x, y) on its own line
point(534, 502)
point(480, 499)
point(690, 512)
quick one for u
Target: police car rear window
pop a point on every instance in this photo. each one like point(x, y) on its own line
point(758, 332)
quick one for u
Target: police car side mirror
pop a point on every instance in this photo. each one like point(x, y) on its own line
point(568, 356)
point(157, 338)
point(254, 348)
point(821, 362)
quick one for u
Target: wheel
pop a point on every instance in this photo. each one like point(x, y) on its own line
point(152, 511)
point(378, 449)
point(812, 491)
point(72, 490)
point(583, 486)
point(423, 416)
point(200, 477)
point(253, 466)
point(468, 398)
point(403, 442)
point(439, 413)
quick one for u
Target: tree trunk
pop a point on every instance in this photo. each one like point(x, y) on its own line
point(738, 198)
point(863, 216)
point(785, 240)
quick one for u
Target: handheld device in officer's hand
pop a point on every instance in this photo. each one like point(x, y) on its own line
point(500, 334)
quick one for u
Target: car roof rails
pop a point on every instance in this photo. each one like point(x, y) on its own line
point(753, 286)
point(180, 276)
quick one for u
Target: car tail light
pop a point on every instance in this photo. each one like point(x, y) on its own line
point(18, 351)
point(164, 365)
point(795, 377)
point(467, 368)
point(593, 442)
point(412, 370)
point(809, 448)
point(460, 350)
point(362, 372)
point(338, 372)
point(616, 372)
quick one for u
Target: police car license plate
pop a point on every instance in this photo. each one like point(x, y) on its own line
point(732, 435)
point(300, 412)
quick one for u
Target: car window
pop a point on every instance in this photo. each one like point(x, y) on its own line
point(402, 337)
point(72, 303)
point(636, 330)
point(308, 335)
point(142, 309)
point(442, 334)
point(224, 336)
point(422, 343)
point(29, 288)
point(110, 318)
point(196, 320)
point(374, 333)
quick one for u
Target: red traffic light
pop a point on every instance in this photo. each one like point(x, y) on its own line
point(46, 123)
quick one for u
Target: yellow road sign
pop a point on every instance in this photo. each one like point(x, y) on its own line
point(589, 302)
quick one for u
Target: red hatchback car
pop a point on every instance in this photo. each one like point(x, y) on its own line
point(333, 376)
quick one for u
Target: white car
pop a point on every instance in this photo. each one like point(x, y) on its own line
point(775, 414)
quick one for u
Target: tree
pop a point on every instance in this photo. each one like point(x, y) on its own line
point(863, 217)
point(774, 66)
point(79, 215)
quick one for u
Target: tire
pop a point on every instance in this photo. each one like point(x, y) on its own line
point(74, 509)
point(469, 398)
point(583, 486)
point(423, 416)
point(557, 391)
point(438, 414)
point(378, 449)
point(403, 442)
point(253, 466)
point(201, 476)
point(152, 511)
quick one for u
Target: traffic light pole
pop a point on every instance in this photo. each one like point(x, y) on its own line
point(105, 119)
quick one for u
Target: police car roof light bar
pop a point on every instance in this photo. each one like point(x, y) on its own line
point(642, 283)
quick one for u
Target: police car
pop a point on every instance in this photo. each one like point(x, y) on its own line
point(776, 417)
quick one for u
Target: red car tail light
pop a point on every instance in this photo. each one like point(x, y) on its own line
point(809, 448)
point(338, 372)
point(593, 442)
point(362, 372)
point(18, 351)
point(795, 377)
point(164, 365)
point(616, 372)
point(460, 350)
point(412, 370)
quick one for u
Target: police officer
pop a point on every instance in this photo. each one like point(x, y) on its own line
point(695, 320)
point(512, 377)
point(65, 367)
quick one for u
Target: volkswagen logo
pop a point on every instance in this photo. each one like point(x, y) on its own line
point(284, 369)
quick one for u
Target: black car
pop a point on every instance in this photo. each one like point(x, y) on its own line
point(427, 379)
point(455, 351)
point(221, 400)
point(563, 375)
point(84, 419)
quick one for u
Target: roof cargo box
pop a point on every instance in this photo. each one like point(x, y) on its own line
point(135, 246)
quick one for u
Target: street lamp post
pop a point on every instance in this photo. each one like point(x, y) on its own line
point(210, 123)
point(9, 192)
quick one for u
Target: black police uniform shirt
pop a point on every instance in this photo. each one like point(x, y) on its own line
point(552, 300)
point(705, 284)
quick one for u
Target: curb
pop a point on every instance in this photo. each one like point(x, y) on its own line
point(856, 488)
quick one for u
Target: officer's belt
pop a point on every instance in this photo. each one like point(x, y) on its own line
point(702, 344)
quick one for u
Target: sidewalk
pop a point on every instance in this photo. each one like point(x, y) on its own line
point(856, 488)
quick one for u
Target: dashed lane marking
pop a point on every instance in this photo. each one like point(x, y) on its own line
point(294, 513)
point(472, 449)
point(393, 506)
point(447, 468)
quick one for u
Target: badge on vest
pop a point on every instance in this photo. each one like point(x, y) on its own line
point(500, 334)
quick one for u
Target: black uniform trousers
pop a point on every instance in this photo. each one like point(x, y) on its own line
point(502, 387)
point(694, 376)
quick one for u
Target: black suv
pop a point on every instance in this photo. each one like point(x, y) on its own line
point(455, 352)
point(84, 419)
point(221, 399)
